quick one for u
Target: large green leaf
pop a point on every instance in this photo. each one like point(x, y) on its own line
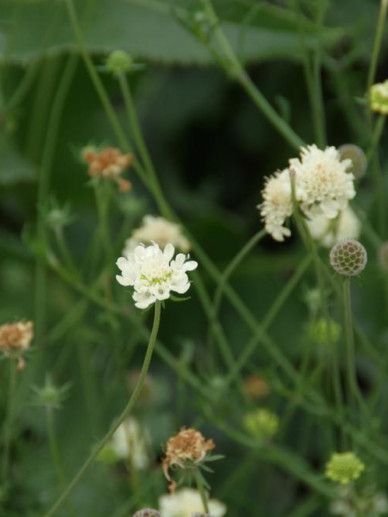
point(150, 30)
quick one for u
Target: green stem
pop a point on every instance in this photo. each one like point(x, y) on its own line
point(142, 147)
point(233, 66)
point(377, 44)
point(354, 392)
point(118, 421)
point(202, 491)
point(9, 418)
point(54, 449)
point(232, 266)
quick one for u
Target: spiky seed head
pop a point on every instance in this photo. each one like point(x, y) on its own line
point(357, 156)
point(348, 257)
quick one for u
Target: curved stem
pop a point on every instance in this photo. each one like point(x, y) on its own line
point(234, 263)
point(123, 415)
point(54, 449)
point(377, 43)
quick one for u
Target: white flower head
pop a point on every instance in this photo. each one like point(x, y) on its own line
point(154, 273)
point(277, 204)
point(322, 183)
point(130, 442)
point(159, 230)
point(330, 231)
point(186, 502)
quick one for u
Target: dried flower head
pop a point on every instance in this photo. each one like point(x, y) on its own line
point(348, 257)
point(378, 98)
point(15, 339)
point(186, 502)
point(330, 231)
point(185, 450)
point(261, 423)
point(154, 274)
point(277, 205)
point(383, 256)
point(323, 185)
point(344, 467)
point(157, 230)
point(108, 163)
point(256, 387)
point(356, 155)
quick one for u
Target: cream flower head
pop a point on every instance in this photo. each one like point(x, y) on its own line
point(158, 230)
point(277, 204)
point(154, 274)
point(130, 442)
point(323, 185)
point(330, 231)
point(378, 97)
point(186, 502)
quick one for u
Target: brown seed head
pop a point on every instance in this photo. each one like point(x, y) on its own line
point(256, 387)
point(348, 257)
point(108, 163)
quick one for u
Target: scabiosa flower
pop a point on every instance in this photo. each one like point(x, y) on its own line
point(348, 257)
point(261, 423)
point(15, 339)
point(323, 185)
point(186, 502)
point(277, 205)
point(108, 163)
point(154, 274)
point(157, 230)
point(186, 449)
point(344, 467)
point(330, 231)
point(352, 503)
point(378, 98)
point(129, 443)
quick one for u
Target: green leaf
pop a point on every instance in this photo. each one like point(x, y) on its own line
point(149, 30)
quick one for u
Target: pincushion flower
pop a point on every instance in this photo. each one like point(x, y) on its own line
point(378, 97)
point(157, 230)
point(277, 204)
point(344, 467)
point(330, 231)
point(323, 185)
point(187, 502)
point(154, 274)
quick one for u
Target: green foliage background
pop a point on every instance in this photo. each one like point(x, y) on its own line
point(212, 149)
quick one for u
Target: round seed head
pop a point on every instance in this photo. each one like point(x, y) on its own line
point(348, 257)
point(383, 256)
point(119, 62)
point(357, 156)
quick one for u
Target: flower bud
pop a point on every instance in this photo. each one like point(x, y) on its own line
point(119, 62)
point(357, 156)
point(348, 257)
point(262, 424)
point(344, 467)
point(378, 98)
